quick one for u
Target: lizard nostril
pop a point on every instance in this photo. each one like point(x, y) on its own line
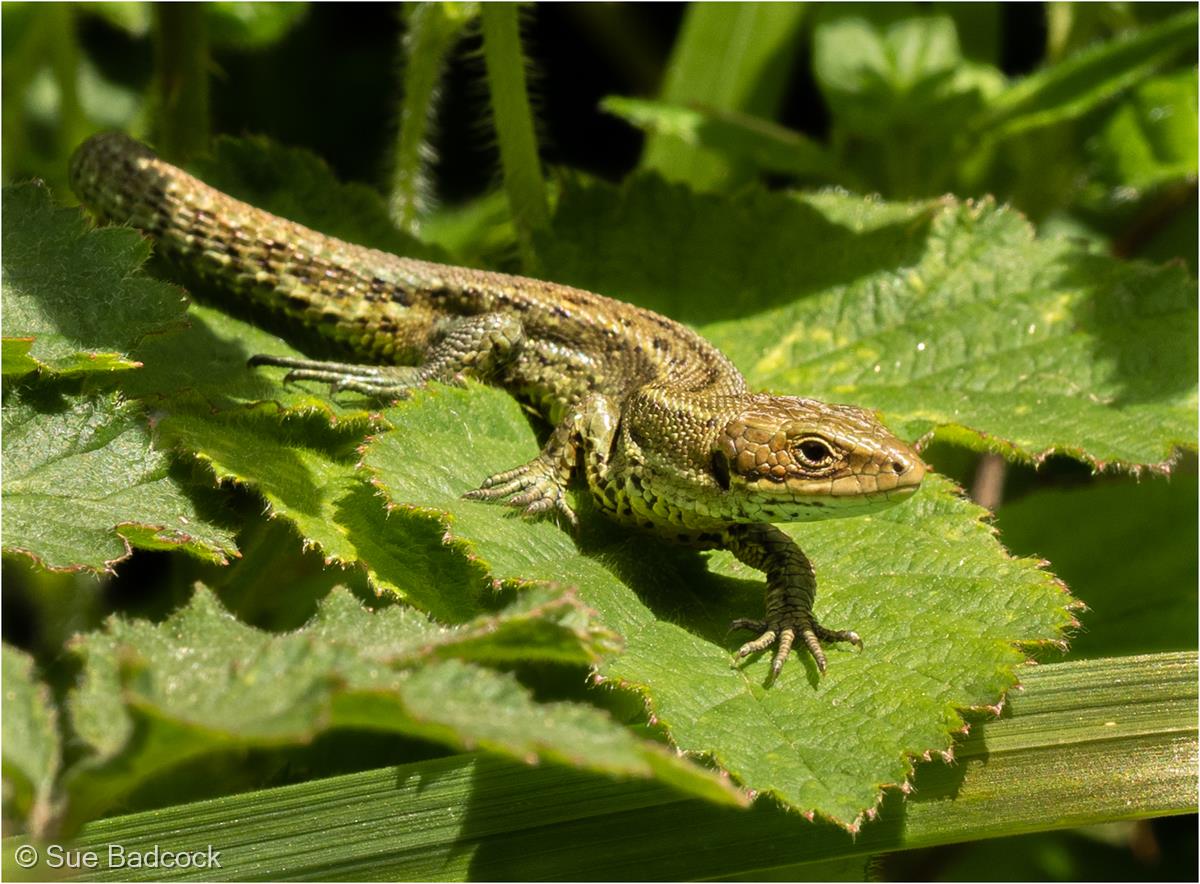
point(899, 467)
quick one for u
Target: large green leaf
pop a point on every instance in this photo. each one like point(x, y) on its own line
point(947, 316)
point(74, 299)
point(83, 484)
point(155, 695)
point(307, 473)
point(939, 604)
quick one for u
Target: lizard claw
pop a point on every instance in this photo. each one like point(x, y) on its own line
point(534, 488)
point(782, 635)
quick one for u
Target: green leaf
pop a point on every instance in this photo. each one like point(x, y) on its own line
point(1069, 735)
point(900, 93)
point(82, 485)
point(871, 74)
point(937, 600)
point(1084, 81)
point(765, 145)
point(1151, 137)
point(306, 471)
point(731, 57)
point(946, 316)
point(31, 743)
point(74, 298)
point(208, 361)
point(1138, 603)
point(14, 356)
point(153, 696)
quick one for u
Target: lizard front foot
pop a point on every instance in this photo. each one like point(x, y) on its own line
point(535, 488)
point(791, 589)
point(783, 631)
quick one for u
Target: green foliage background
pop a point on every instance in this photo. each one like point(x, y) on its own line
point(978, 219)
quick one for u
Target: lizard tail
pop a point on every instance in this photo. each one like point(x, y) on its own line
point(350, 292)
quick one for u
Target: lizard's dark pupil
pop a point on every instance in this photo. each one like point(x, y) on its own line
point(813, 451)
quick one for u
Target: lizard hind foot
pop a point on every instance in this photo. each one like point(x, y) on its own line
point(534, 488)
point(383, 381)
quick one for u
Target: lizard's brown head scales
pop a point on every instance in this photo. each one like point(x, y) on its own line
point(786, 458)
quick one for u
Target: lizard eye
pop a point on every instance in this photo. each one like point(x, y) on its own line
point(814, 452)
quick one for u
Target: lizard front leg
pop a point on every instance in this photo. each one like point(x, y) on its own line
point(791, 588)
point(541, 485)
point(469, 345)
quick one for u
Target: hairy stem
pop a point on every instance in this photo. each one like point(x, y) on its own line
point(514, 125)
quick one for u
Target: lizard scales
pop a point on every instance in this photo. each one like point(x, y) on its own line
point(660, 423)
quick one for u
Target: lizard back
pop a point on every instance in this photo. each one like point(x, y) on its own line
point(386, 308)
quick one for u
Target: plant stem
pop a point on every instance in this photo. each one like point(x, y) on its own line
point(514, 125)
point(433, 29)
point(181, 79)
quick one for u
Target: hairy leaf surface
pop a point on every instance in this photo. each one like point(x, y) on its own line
point(944, 315)
point(83, 484)
point(75, 300)
point(154, 695)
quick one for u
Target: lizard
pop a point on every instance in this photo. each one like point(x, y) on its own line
point(662, 427)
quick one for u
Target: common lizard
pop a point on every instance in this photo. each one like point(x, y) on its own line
point(661, 425)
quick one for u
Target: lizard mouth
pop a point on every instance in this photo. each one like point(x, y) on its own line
point(847, 494)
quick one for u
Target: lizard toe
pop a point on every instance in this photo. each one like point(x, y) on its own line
point(781, 633)
point(534, 488)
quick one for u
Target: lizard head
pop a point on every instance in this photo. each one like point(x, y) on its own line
point(783, 458)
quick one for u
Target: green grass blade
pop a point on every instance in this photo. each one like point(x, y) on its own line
point(1085, 742)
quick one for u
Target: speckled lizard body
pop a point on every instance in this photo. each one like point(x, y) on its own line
point(659, 422)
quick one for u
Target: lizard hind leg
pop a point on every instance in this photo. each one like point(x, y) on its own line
point(468, 345)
